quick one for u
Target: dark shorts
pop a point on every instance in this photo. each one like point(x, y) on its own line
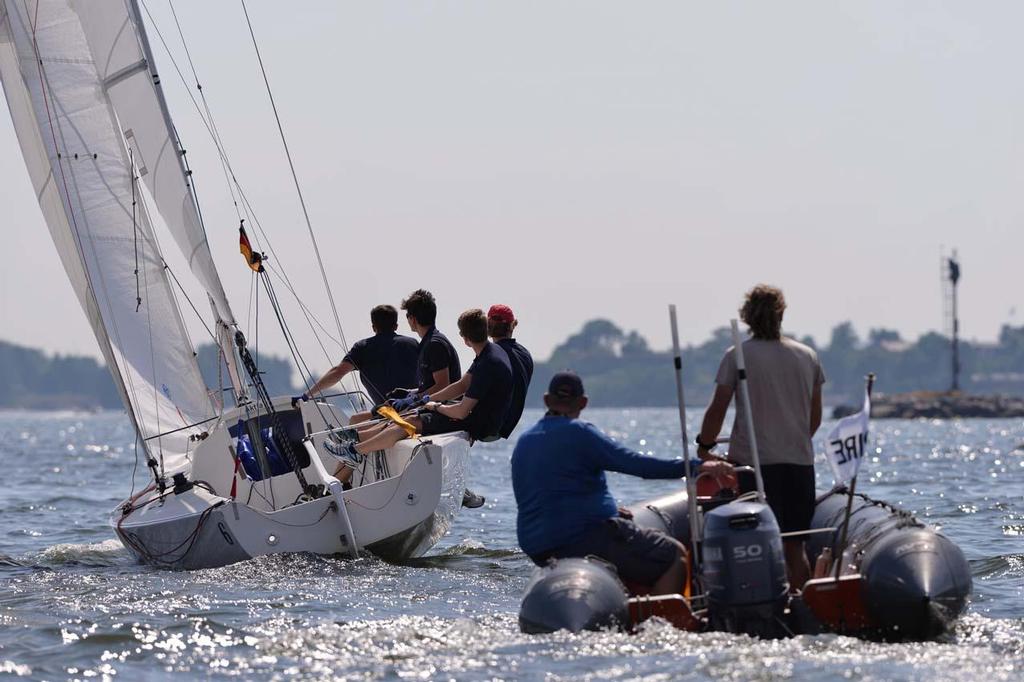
point(790, 492)
point(640, 555)
point(434, 423)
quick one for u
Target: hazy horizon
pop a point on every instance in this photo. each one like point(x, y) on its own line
point(583, 160)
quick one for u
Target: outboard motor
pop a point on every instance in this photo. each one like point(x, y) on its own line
point(574, 595)
point(745, 570)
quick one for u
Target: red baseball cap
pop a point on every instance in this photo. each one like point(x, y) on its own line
point(501, 313)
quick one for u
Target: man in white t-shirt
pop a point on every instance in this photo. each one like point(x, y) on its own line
point(784, 381)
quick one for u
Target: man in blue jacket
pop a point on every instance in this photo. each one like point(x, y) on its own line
point(565, 508)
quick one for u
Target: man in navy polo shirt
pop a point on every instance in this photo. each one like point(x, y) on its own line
point(438, 363)
point(486, 392)
point(385, 360)
point(565, 508)
point(501, 322)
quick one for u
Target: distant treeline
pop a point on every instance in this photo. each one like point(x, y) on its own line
point(618, 368)
point(30, 379)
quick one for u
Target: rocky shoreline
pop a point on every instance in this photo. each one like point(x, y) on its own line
point(936, 405)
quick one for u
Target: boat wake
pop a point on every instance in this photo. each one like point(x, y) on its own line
point(1004, 565)
point(107, 553)
point(467, 552)
point(10, 561)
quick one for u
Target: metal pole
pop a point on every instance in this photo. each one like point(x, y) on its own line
point(744, 395)
point(954, 278)
point(849, 502)
point(691, 482)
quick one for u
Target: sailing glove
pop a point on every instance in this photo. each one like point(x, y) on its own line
point(398, 393)
point(414, 400)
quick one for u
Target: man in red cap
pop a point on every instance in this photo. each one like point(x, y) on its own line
point(501, 322)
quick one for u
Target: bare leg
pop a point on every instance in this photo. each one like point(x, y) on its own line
point(386, 438)
point(370, 431)
point(359, 417)
point(797, 568)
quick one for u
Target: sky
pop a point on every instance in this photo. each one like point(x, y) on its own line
point(592, 159)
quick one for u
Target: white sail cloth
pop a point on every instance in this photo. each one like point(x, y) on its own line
point(124, 69)
point(73, 139)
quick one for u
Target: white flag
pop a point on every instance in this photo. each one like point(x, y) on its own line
point(847, 443)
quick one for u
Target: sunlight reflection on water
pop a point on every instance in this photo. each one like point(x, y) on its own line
point(73, 604)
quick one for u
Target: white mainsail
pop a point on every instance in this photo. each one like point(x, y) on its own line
point(84, 108)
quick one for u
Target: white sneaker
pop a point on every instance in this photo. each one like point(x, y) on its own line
point(344, 451)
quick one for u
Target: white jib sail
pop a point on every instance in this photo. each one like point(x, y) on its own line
point(79, 161)
point(124, 67)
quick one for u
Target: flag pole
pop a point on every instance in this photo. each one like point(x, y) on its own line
point(691, 483)
point(849, 501)
point(741, 373)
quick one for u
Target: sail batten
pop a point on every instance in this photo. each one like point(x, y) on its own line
point(79, 150)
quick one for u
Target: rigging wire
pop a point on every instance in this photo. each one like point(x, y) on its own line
point(135, 468)
point(206, 105)
point(191, 304)
point(289, 338)
point(152, 363)
point(295, 177)
point(206, 116)
point(176, 306)
point(309, 373)
point(135, 231)
point(311, 318)
point(127, 384)
point(211, 128)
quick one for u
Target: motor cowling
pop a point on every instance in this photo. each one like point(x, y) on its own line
point(574, 595)
point(744, 570)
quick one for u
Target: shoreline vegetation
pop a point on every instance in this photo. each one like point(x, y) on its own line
point(620, 368)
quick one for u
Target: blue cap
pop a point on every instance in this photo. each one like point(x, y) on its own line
point(566, 385)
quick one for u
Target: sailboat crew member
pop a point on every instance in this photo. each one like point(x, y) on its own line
point(785, 399)
point(486, 392)
point(437, 363)
point(564, 506)
point(501, 322)
point(386, 360)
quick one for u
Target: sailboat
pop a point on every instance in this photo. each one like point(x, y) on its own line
point(104, 160)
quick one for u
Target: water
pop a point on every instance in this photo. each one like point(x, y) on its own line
point(73, 605)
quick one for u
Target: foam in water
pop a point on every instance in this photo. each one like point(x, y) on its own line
point(106, 553)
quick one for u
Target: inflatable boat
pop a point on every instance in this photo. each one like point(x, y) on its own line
point(894, 579)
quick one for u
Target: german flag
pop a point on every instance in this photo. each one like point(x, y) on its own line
point(253, 258)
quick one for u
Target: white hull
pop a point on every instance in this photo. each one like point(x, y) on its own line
point(401, 503)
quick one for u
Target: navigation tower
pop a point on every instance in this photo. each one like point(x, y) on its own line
point(950, 268)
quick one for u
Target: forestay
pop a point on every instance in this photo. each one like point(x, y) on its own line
point(67, 73)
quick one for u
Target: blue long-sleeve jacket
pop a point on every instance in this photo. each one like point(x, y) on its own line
point(558, 478)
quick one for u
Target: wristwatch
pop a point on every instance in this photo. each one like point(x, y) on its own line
point(705, 446)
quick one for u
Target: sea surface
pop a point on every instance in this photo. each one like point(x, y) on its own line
point(74, 605)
